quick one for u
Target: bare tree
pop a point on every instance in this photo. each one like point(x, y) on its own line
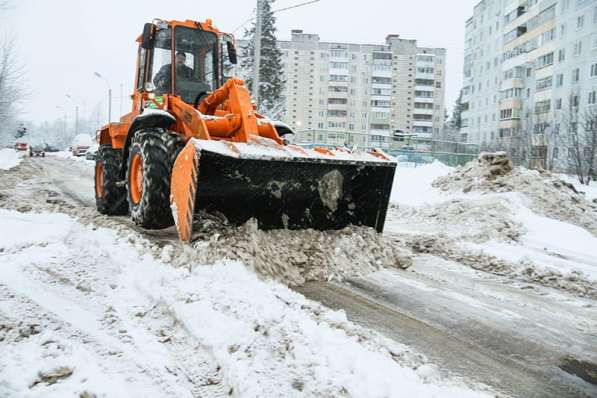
point(11, 79)
point(580, 141)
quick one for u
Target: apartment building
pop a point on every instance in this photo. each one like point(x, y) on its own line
point(363, 94)
point(525, 60)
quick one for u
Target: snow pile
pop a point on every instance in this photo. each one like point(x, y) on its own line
point(478, 220)
point(84, 313)
point(412, 185)
point(295, 257)
point(9, 158)
point(548, 195)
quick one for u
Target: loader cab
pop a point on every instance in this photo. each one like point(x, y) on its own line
point(183, 60)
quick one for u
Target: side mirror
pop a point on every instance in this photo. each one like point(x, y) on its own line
point(231, 52)
point(147, 38)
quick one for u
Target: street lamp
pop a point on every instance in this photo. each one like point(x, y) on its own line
point(76, 113)
point(63, 118)
point(109, 95)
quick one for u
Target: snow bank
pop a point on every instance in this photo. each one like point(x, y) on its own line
point(511, 221)
point(590, 190)
point(139, 323)
point(547, 194)
point(413, 185)
point(10, 158)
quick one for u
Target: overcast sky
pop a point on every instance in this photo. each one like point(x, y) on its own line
point(62, 42)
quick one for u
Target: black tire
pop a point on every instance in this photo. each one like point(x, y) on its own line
point(158, 149)
point(110, 199)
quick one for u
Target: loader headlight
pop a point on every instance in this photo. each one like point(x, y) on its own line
point(149, 87)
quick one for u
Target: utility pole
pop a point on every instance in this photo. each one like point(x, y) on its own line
point(109, 94)
point(76, 119)
point(120, 102)
point(257, 50)
point(366, 131)
point(76, 113)
point(109, 105)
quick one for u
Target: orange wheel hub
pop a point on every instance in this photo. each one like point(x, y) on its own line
point(99, 180)
point(136, 178)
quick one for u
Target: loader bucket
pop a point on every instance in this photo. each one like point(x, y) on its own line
point(280, 186)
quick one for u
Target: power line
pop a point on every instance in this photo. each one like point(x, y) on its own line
point(275, 11)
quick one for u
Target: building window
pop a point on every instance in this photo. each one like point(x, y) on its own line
point(559, 103)
point(562, 55)
point(545, 60)
point(592, 98)
point(580, 22)
point(575, 75)
point(544, 84)
point(594, 70)
point(542, 107)
point(560, 80)
point(577, 48)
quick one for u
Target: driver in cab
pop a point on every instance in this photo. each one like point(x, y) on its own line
point(163, 79)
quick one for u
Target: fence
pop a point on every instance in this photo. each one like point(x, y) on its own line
point(407, 148)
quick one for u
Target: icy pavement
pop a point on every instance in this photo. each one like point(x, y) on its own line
point(84, 312)
point(9, 158)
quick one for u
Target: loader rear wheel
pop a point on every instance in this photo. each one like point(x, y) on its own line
point(110, 197)
point(151, 158)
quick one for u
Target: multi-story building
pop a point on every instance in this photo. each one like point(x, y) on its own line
point(363, 94)
point(525, 61)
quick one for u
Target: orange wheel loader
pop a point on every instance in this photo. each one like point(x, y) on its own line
point(194, 142)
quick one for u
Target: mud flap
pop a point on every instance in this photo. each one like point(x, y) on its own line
point(289, 192)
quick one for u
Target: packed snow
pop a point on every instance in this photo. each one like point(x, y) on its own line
point(9, 158)
point(88, 314)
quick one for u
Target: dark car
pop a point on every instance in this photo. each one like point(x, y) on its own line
point(37, 151)
point(90, 155)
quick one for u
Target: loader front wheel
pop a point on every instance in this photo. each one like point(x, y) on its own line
point(110, 196)
point(151, 157)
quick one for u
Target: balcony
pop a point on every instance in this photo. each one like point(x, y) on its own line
point(425, 88)
point(420, 111)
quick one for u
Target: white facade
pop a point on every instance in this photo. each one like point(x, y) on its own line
point(361, 93)
point(527, 57)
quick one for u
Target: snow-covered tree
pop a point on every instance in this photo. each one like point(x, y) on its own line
point(271, 78)
point(456, 120)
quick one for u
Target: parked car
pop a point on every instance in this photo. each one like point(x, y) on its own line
point(21, 146)
point(37, 151)
point(91, 152)
point(79, 150)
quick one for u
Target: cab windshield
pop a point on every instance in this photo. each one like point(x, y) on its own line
point(196, 63)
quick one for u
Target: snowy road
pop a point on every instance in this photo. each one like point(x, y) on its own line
point(513, 336)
